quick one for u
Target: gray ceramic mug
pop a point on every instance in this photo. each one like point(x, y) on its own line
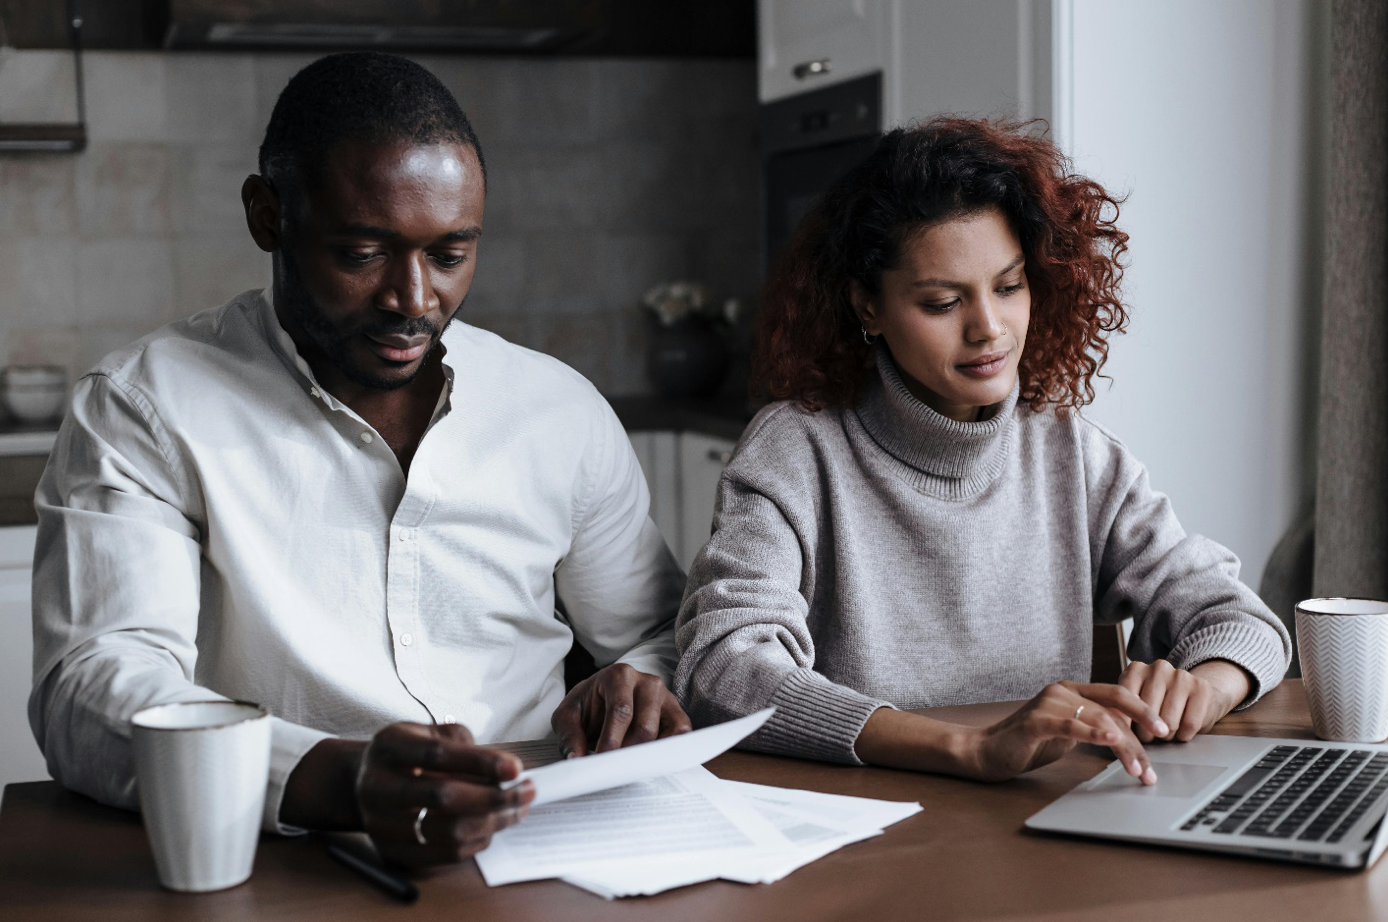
point(1344, 662)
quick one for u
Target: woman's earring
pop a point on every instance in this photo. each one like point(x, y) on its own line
point(868, 339)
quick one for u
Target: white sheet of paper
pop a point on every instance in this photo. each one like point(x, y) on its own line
point(850, 814)
point(687, 816)
point(575, 777)
point(810, 838)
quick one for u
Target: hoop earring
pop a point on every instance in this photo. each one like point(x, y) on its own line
point(868, 339)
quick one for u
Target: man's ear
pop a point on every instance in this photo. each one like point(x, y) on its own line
point(864, 307)
point(262, 207)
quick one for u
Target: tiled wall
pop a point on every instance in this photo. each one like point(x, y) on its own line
point(605, 177)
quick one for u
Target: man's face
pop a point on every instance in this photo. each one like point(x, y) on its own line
point(377, 257)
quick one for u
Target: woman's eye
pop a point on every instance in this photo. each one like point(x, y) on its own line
point(1011, 289)
point(940, 307)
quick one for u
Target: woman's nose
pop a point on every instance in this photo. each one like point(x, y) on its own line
point(985, 325)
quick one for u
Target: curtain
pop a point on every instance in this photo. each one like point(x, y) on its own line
point(1351, 543)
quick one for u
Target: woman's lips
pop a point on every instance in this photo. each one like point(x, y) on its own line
point(985, 366)
point(395, 348)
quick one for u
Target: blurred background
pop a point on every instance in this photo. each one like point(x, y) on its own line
point(646, 158)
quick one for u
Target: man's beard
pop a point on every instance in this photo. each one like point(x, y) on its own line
point(335, 342)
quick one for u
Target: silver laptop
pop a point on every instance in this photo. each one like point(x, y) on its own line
point(1290, 800)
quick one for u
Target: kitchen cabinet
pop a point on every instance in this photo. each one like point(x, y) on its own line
point(987, 57)
point(702, 459)
point(682, 470)
point(808, 44)
point(19, 754)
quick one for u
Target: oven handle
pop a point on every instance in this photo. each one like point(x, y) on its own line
point(811, 69)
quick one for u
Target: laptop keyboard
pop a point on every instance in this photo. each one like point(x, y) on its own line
point(1307, 793)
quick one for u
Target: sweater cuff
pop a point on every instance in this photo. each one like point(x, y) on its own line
point(816, 719)
point(288, 744)
point(1255, 648)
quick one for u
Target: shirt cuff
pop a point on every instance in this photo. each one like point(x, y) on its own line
point(288, 744)
point(1255, 648)
point(815, 719)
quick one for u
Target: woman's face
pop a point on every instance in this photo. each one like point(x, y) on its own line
point(954, 313)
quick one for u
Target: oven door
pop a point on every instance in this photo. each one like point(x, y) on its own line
point(809, 141)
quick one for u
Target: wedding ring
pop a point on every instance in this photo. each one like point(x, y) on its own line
point(419, 826)
point(1078, 711)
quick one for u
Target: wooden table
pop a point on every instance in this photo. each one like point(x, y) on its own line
point(966, 856)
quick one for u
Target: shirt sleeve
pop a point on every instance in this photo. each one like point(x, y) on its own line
point(1182, 591)
point(743, 634)
point(619, 583)
point(116, 596)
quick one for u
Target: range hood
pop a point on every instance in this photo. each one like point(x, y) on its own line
point(412, 25)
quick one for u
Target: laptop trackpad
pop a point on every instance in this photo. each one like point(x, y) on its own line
point(1174, 779)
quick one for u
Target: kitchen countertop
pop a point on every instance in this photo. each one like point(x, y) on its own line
point(26, 438)
point(720, 417)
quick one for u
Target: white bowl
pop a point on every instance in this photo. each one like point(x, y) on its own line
point(23, 376)
point(35, 404)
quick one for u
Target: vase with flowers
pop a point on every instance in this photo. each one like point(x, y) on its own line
point(687, 350)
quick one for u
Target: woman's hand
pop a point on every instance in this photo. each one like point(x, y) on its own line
point(1189, 702)
point(1061, 716)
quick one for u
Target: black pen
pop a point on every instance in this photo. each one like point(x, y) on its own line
point(395, 885)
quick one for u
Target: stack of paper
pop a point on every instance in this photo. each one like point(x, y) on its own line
point(642, 820)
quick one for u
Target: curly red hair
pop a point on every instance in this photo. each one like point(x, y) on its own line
point(809, 345)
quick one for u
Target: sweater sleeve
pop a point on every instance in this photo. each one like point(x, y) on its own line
point(1182, 591)
point(743, 634)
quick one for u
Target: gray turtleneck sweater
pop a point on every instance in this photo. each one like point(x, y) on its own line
point(886, 555)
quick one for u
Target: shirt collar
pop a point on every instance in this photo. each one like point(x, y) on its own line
point(283, 344)
point(933, 444)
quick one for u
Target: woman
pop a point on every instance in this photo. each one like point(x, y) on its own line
point(924, 519)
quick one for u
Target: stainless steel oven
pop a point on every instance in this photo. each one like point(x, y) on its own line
point(809, 140)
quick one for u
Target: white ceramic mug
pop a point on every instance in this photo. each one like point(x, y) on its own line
point(1344, 662)
point(201, 768)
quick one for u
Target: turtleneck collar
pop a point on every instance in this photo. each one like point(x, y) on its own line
point(952, 458)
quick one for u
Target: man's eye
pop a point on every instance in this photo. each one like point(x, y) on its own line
point(449, 260)
point(360, 257)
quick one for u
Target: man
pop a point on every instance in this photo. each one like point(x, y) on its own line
point(313, 499)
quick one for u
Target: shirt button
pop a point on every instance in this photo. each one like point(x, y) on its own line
point(365, 438)
point(449, 719)
point(406, 639)
point(403, 535)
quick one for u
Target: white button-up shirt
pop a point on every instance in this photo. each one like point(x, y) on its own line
point(213, 520)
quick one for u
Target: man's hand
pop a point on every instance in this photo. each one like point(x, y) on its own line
point(618, 706)
point(408, 767)
point(1190, 702)
point(381, 786)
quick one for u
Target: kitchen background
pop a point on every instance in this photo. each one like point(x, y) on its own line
point(605, 177)
point(614, 170)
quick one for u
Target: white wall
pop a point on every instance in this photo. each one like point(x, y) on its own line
point(1204, 111)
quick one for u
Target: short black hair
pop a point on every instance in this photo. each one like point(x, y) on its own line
point(357, 96)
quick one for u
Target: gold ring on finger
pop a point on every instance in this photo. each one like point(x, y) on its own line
point(419, 826)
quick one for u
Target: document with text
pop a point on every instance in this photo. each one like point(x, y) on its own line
point(575, 777)
point(649, 818)
point(684, 815)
